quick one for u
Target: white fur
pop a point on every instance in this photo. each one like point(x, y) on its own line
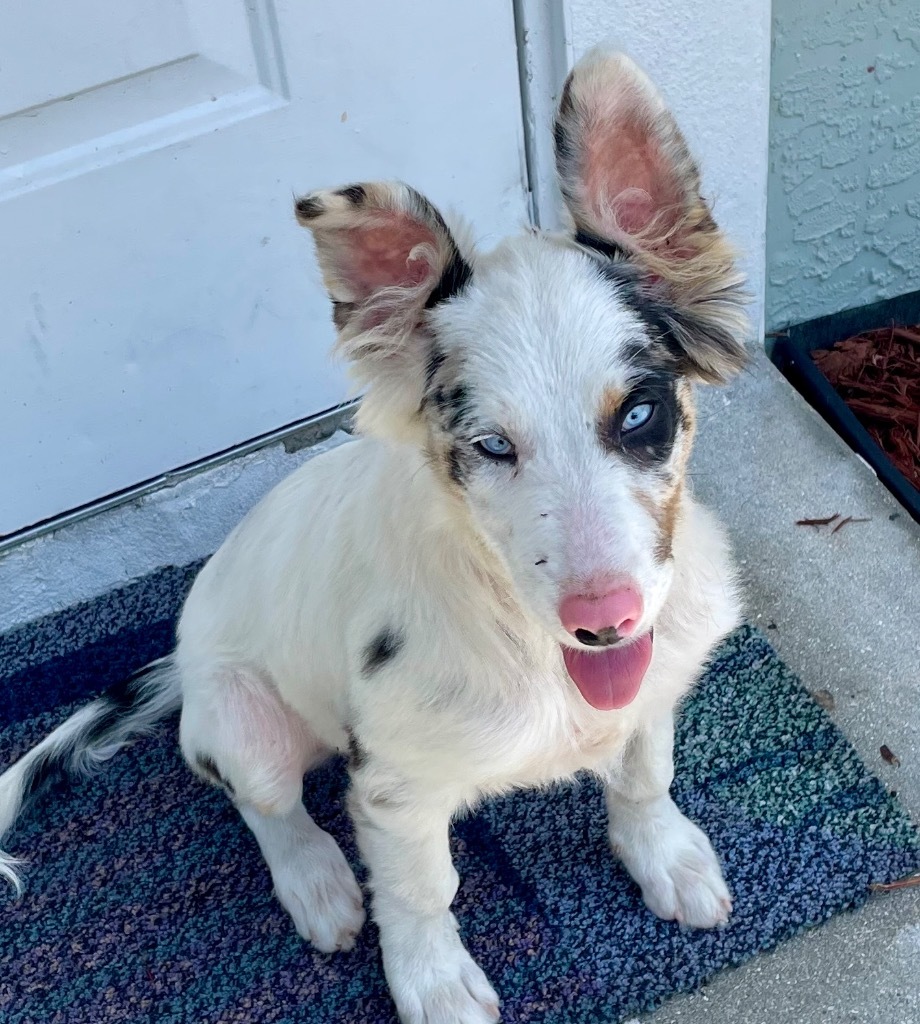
point(670, 858)
point(365, 537)
point(467, 573)
point(312, 879)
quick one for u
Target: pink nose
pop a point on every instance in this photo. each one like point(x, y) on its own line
point(618, 611)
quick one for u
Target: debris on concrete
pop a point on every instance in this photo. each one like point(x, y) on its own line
point(888, 757)
point(818, 522)
point(825, 698)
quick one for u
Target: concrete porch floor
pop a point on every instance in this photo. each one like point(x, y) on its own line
point(843, 610)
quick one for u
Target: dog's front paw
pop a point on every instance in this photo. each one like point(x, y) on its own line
point(674, 864)
point(432, 978)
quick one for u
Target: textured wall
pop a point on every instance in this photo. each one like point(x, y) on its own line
point(711, 60)
point(844, 188)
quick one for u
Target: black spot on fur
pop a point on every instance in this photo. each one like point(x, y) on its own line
point(606, 248)
point(307, 208)
point(453, 403)
point(381, 650)
point(455, 277)
point(680, 341)
point(661, 351)
point(627, 283)
point(117, 703)
point(455, 467)
point(648, 358)
point(357, 755)
point(355, 194)
point(48, 768)
point(456, 405)
point(208, 768)
point(435, 361)
point(566, 145)
point(341, 313)
point(565, 100)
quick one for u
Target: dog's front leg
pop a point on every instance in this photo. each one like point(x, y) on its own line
point(403, 836)
point(670, 858)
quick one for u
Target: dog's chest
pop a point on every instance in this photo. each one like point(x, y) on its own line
point(552, 745)
point(529, 735)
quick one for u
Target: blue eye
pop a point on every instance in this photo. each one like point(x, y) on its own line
point(638, 416)
point(496, 447)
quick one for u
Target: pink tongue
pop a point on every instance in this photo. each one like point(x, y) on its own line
point(610, 678)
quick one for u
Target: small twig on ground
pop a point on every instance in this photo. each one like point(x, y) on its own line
point(906, 335)
point(817, 522)
point(902, 883)
point(849, 519)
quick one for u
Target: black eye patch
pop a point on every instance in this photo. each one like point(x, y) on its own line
point(650, 442)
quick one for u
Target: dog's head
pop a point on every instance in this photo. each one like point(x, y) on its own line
point(549, 381)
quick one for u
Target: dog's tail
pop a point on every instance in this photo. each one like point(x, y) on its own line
point(90, 736)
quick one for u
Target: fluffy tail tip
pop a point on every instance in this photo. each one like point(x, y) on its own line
point(8, 872)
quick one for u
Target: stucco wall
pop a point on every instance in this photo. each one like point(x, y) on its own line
point(711, 60)
point(844, 188)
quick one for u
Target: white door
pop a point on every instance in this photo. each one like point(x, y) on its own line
point(158, 302)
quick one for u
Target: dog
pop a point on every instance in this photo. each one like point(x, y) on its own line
point(503, 582)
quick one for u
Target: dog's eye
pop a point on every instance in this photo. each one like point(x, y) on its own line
point(638, 416)
point(494, 446)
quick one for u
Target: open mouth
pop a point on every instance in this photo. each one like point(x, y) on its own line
point(610, 677)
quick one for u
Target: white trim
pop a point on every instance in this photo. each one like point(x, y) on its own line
point(294, 436)
point(544, 58)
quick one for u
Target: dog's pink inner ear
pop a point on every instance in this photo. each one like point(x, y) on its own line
point(630, 187)
point(384, 254)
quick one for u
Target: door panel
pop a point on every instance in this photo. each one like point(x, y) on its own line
point(160, 303)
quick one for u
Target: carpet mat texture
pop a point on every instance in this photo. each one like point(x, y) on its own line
point(147, 900)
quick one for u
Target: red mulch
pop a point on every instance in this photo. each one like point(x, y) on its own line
point(877, 374)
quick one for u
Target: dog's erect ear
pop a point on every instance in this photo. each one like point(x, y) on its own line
point(633, 190)
point(387, 257)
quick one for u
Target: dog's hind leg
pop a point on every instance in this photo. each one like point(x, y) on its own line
point(311, 877)
point(237, 733)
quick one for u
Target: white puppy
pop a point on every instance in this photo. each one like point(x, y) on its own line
point(504, 582)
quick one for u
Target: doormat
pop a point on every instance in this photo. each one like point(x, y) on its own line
point(147, 900)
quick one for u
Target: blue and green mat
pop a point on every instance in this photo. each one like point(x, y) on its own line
point(147, 900)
